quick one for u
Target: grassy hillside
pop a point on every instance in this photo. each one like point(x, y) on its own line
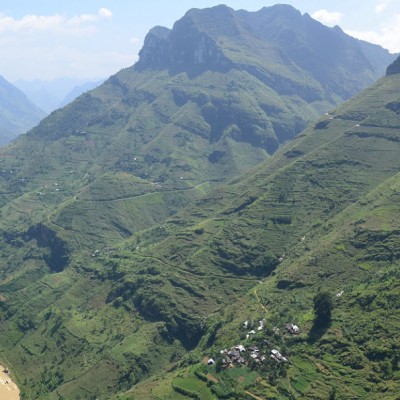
point(320, 215)
point(355, 259)
point(346, 248)
point(130, 247)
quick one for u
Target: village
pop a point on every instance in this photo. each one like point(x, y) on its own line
point(239, 355)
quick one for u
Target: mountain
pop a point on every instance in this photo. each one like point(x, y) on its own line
point(17, 113)
point(320, 217)
point(207, 100)
point(139, 220)
point(393, 68)
point(50, 95)
point(290, 52)
point(78, 90)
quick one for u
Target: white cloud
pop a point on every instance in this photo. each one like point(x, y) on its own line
point(105, 13)
point(382, 6)
point(50, 46)
point(29, 23)
point(326, 17)
point(388, 35)
point(60, 24)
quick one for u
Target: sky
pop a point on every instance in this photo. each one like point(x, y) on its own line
point(93, 39)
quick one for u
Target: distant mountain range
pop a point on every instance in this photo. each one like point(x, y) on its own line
point(147, 220)
point(50, 95)
point(78, 90)
point(24, 104)
point(17, 113)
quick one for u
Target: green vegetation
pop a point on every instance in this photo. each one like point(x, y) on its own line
point(128, 259)
point(342, 240)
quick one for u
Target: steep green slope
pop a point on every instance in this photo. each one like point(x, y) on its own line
point(99, 289)
point(319, 214)
point(207, 101)
point(17, 113)
point(342, 237)
point(355, 258)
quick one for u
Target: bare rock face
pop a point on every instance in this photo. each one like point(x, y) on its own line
point(154, 52)
point(185, 48)
point(290, 52)
point(394, 68)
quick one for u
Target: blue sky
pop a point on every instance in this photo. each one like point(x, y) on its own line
point(91, 39)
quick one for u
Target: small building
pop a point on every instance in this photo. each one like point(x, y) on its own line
point(277, 356)
point(293, 329)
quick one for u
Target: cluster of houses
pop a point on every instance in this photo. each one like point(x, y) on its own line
point(260, 327)
point(41, 192)
point(238, 355)
point(99, 252)
point(277, 356)
point(290, 328)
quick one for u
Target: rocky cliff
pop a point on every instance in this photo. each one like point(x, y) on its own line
point(394, 68)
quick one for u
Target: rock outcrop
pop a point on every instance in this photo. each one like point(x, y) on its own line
point(394, 68)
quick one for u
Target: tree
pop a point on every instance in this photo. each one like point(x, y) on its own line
point(323, 306)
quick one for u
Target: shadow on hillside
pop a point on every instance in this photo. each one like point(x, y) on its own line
point(317, 331)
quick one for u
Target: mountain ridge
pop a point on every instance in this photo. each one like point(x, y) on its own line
point(17, 113)
point(270, 24)
point(393, 68)
point(50, 95)
point(147, 220)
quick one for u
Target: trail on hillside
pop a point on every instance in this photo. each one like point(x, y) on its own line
point(259, 301)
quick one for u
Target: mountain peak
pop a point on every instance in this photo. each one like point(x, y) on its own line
point(155, 48)
point(285, 9)
point(219, 11)
point(394, 68)
point(190, 45)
